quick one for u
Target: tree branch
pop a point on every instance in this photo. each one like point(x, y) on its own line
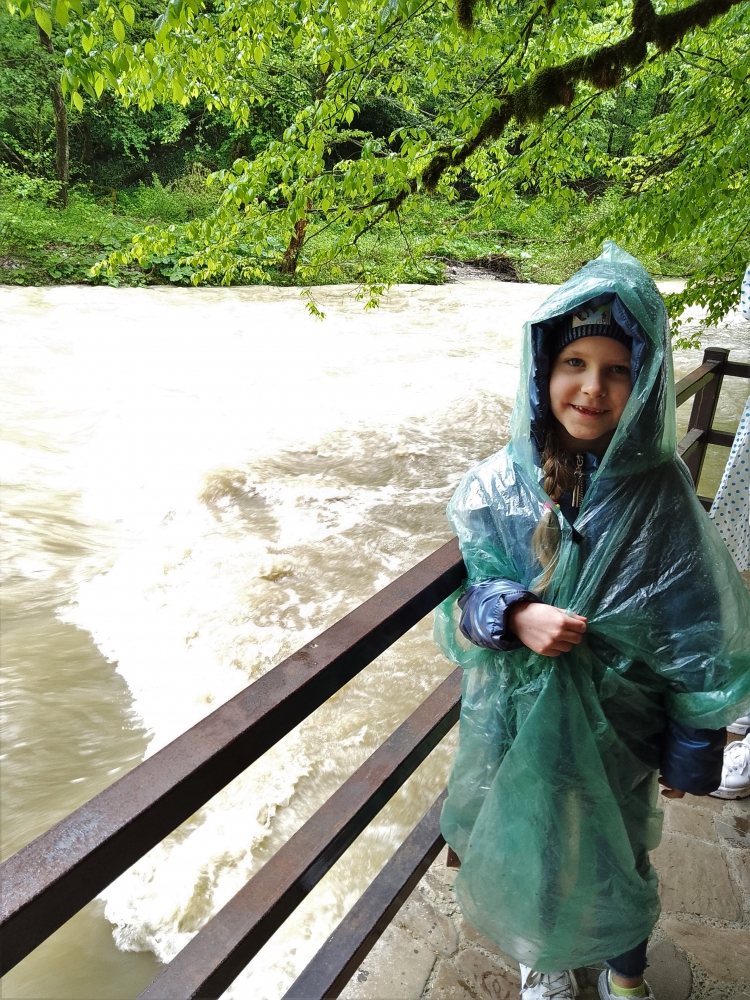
point(555, 86)
point(15, 158)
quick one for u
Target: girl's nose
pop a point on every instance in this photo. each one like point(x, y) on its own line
point(593, 384)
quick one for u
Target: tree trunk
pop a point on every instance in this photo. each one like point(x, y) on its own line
point(62, 149)
point(291, 255)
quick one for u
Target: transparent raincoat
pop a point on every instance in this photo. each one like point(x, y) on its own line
point(552, 804)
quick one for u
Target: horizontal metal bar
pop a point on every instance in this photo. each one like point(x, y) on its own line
point(691, 441)
point(695, 436)
point(696, 380)
point(48, 881)
point(337, 960)
point(222, 949)
point(737, 369)
point(723, 438)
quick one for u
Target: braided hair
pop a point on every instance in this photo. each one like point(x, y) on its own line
point(558, 478)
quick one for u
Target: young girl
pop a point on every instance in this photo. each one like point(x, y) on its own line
point(605, 634)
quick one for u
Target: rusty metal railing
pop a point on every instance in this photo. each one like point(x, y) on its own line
point(218, 953)
point(52, 878)
point(337, 961)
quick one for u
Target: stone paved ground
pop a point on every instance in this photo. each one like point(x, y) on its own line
point(700, 949)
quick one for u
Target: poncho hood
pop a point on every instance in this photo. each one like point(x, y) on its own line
point(646, 434)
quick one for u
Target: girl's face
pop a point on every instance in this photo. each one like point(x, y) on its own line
point(589, 386)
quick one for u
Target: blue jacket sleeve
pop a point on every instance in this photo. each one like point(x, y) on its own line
point(692, 758)
point(484, 613)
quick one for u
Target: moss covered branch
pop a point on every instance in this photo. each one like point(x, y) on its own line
point(555, 86)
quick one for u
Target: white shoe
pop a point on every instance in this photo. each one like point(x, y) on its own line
point(735, 774)
point(540, 985)
point(605, 993)
point(740, 727)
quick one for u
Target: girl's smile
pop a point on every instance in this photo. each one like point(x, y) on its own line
point(589, 387)
point(588, 411)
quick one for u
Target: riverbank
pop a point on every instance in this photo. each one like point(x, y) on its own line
point(700, 948)
point(41, 244)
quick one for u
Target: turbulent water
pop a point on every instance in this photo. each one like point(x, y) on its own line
point(194, 484)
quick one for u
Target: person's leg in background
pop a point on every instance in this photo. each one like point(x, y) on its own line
point(735, 775)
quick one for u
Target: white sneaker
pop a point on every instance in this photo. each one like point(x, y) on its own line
point(540, 985)
point(740, 727)
point(735, 774)
point(605, 993)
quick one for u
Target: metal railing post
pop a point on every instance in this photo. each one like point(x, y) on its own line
point(703, 412)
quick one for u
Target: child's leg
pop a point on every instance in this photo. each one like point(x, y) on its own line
point(627, 969)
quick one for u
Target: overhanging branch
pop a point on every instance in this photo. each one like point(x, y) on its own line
point(555, 86)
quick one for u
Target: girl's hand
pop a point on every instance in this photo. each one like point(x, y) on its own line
point(669, 791)
point(545, 629)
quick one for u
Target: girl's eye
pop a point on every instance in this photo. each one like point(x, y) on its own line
point(620, 370)
point(575, 362)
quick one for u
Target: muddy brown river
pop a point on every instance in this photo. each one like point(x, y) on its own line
point(194, 483)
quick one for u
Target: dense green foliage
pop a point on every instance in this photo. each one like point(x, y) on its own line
point(41, 244)
point(335, 130)
point(111, 146)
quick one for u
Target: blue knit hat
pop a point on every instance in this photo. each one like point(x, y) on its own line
point(588, 321)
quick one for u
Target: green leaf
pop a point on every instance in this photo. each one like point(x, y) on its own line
point(129, 14)
point(162, 27)
point(43, 20)
point(77, 100)
point(118, 30)
point(61, 13)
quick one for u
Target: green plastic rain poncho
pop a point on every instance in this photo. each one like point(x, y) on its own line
point(551, 808)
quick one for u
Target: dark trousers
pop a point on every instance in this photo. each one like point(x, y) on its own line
point(630, 964)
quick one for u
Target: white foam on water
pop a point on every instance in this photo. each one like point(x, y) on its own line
point(192, 613)
point(248, 475)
